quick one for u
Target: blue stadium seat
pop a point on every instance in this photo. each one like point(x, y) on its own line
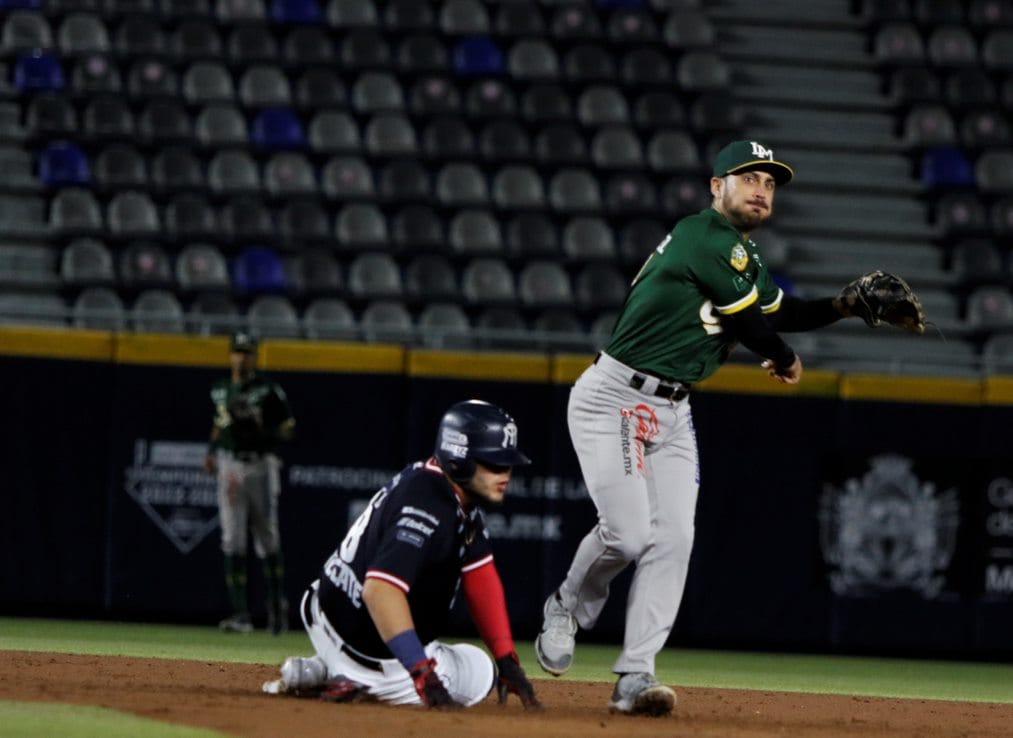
point(38, 70)
point(277, 128)
point(296, 11)
point(63, 163)
point(946, 166)
point(478, 55)
point(259, 269)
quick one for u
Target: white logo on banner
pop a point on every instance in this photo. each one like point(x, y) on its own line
point(888, 530)
point(167, 480)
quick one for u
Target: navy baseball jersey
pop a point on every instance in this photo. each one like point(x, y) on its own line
point(415, 535)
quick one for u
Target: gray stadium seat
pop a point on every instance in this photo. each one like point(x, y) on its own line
point(488, 281)
point(352, 14)
point(87, 261)
point(616, 147)
point(264, 85)
point(386, 321)
point(390, 134)
point(143, 264)
point(334, 131)
point(532, 59)
point(518, 187)
point(377, 92)
point(994, 171)
point(600, 286)
point(544, 283)
point(289, 174)
point(214, 313)
point(82, 33)
point(374, 275)
point(205, 82)
point(98, 308)
point(157, 311)
point(201, 266)
point(990, 308)
point(588, 238)
point(220, 125)
point(75, 210)
point(474, 231)
point(32, 308)
point(329, 319)
point(361, 226)
point(273, 316)
point(28, 265)
point(464, 18)
point(601, 105)
point(347, 178)
point(444, 325)
point(430, 277)
point(132, 214)
point(233, 171)
point(669, 150)
point(461, 184)
point(574, 190)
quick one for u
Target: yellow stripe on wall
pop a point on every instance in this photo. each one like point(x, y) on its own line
point(56, 343)
point(892, 388)
point(172, 350)
point(754, 380)
point(508, 367)
point(320, 356)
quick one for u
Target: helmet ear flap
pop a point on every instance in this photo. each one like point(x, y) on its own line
point(459, 470)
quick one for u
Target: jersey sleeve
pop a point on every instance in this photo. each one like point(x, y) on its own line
point(417, 532)
point(726, 273)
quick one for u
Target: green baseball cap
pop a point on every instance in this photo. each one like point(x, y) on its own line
point(243, 343)
point(743, 156)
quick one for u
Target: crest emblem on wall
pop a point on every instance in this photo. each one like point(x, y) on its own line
point(888, 530)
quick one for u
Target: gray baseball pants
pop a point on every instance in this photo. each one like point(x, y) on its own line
point(248, 492)
point(638, 455)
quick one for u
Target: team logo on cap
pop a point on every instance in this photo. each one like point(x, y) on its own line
point(739, 258)
point(761, 152)
point(510, 435)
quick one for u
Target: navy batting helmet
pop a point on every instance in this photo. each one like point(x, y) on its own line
point(476, 431)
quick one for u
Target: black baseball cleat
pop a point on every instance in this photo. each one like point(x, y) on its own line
point(343, 689)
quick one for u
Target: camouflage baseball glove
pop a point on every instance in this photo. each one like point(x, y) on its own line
point(879, 297)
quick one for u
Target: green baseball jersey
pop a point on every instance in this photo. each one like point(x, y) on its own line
point(669, 325)
point(251, 416)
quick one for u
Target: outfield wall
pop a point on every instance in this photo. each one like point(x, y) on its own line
point(852, 513)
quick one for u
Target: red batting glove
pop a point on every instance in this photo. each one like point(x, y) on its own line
point(429, 686)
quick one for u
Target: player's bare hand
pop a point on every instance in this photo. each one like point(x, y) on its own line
point(787, 375)
point(210, 464)
point(512, 679)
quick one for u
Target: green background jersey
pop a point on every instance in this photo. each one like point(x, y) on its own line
point(253, 416)
point(669, 325)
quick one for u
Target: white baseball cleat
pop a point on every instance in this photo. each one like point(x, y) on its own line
point(554, 646)
point(298, 674)
point(639, 693)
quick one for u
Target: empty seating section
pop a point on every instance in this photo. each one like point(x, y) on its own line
point(460, 174)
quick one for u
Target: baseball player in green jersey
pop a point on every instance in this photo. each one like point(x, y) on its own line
point(252, 418)
point(702, 290)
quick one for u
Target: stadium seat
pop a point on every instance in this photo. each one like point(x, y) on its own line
point(289, 174)
point(315, 271)
point(464, 18)
point(38, 71)
point(630, 193)
point(277, 128)
point(386, 321)
point(86, 261)
point(132, 214)
point(444, 325)
point(302, 221)
point(560, 144)
point(504, 140)
point(63, 163)
point(588, 238)
point(152, 78)
point(390, 135)
point(638, 238)
point(488, 281)
point(404, 180)
point(343, 14)
point(374, 276)
point(518, 187)
point(532, 59)
point(93, 74)
point(32, 308)
point(245, 219)
point(334, 131)
point(990, 308)
point(164, 121)
point(474, 231)
point(531, 235)
point(195, 38)
point(296, 11)
point(145, 264)
point(375, 92)
point(961, 213)
point(205, 82)
point(433, 95)
point(477, 56)
point(306, 46)
point(448, 137)
point(574, 190)
point(461, 184)
point(233, 171)
point(214, 313)
point(51, 116)
point(417, 228)
point(601, 105)
point(651, 68)
point(98, 308)
point(329, 319)
point(575, 22)
point(361, 226)
point(946, 166)
point(319, 87)
point(120, 166)
point(688, 28)
point(544, 283)
point(74, 210)
point(28, 265)
point(250, 43)
point(669, 150)
point(137, 35)
point(364, 49)
point(258, 269)
point(600, 286)
point(420, 53)
point(264, 86)
point(429, 278)
point(519, 18)
point(157, 311)
point(616, 147)
point(490, 98)
point(201, 266)
point(346, 178)
point(25, 30)
point(994, 171)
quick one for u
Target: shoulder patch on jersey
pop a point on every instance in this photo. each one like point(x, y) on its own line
point(410, 537)
point(739, 257)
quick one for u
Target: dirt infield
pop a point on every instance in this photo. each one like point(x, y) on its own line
point(226, 697)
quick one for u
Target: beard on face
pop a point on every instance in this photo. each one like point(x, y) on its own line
point(744, 218)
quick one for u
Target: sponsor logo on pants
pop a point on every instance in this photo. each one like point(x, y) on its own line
point(637, 427)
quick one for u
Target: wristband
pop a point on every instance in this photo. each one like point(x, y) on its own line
point(407, 648)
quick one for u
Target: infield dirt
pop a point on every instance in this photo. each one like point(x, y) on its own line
point(226, 697)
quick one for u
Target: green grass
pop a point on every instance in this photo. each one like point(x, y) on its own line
point(23, 719)
point(922, 679)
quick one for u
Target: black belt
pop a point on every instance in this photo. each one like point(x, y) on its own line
point(666, 391)
point(360, 659)
point(675, 392)
point(247, 455)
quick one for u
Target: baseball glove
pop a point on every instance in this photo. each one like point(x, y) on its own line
point(879, 297)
